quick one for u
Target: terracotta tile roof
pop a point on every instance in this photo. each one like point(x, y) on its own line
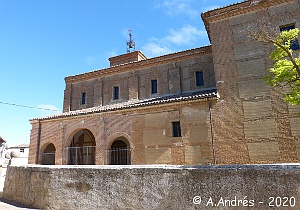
point(206, 94)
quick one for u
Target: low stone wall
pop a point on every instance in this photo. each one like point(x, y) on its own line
point(154, 187)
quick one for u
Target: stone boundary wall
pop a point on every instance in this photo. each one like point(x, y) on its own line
point(154, 187)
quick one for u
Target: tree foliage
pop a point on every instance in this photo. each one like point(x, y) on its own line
point(286, 68)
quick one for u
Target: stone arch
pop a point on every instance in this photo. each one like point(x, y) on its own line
point(81, 148)
point(119, 152)
point(48, 154)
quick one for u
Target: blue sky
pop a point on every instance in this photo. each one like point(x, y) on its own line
point(43, 41)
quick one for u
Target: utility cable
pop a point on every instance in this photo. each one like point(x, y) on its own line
point(31, 107)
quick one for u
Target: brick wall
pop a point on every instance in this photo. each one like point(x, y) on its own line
point(174, 76)
point(148, 131)
point(253, 123)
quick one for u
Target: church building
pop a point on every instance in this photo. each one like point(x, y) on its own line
point(207, 105)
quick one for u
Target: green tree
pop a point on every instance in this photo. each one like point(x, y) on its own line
point(286, 68)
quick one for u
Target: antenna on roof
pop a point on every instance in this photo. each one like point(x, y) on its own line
point(130, 43)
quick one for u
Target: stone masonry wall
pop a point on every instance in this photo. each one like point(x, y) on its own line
point(154, 187)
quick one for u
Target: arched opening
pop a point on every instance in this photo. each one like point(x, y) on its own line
point(49, 155)
point(120, 153)
point(82, 148)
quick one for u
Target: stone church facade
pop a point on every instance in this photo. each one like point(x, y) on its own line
point(201, 106)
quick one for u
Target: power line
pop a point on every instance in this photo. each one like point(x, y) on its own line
point(31, 107)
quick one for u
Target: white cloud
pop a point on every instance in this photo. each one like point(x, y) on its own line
point(152, 49)
point(177, 7)
point(112, 53)
point(185, 36)
point(212, 7)
point(48, 109)
point(90, 60)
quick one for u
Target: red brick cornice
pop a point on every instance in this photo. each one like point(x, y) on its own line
point(139, 64)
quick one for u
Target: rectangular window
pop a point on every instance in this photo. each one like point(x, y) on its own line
point(153, 86)
point(287, 27)
point(116, 93)
point(176, 129)
point(83, 98)
point(294, 43)
point(22, 150)
point(199, 78)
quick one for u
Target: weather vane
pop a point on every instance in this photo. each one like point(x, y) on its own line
point(130, 43)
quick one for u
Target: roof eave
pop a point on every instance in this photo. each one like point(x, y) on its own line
point(89, 111)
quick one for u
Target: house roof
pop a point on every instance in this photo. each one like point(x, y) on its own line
point(2, 140)
point(20, 146)
point(204, 94)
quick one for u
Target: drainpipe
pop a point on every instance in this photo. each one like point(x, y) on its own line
point(38, 143)
point(212, 134)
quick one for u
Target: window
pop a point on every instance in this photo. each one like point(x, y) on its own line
point(294, 43)
point(287, 27)
point(199, 78)
point(116, 93)
point(22, 150)
point(176, 129)
point(83, 98)
point(153, 86)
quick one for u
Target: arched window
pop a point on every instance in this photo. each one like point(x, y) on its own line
point(120, 153)
point(49, 155)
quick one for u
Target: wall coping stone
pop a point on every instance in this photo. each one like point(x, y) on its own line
point(281, 166)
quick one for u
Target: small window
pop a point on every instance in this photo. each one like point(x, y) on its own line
point(154, 86)
point(199, 78)
point(116, 93)
point(294, 43)
point(176, 129)
point(83, 98)
point(22, 150)
point(287, 27)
